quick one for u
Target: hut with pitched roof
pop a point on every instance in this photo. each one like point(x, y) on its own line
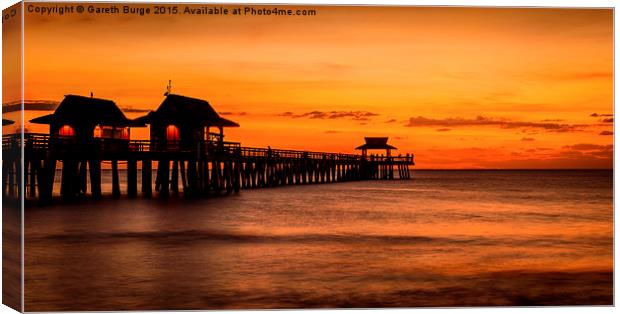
point(78, 125)
point(182, 122)
point(81, 119)
point(385, 169)
point(376, 143)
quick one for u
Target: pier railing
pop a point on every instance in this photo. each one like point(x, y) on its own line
point(44, 142)
point(39, 142)
point(296, 154)
point(199, 168)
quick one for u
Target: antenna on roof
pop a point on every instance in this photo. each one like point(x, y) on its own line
point(168, 88)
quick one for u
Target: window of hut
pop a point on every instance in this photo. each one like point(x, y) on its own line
point(98, 132)
point(66, 130)
point(125, 133)
point(172, 133)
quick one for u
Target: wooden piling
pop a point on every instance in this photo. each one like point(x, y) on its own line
point(229, 176)
point(208, 178)
point(46, 181)
point(192, 179)
point(5, 176)
point(116, 186)
point(11, 174)
point(132, 178)
point(69, 182)
point(215, 177)
point(164, 166)
point(201, 172)
point(174, 180)
point(222, 168)
point(147, 173)
point(34, 169)
point(183, 177)
point(83, 179)
point(94, 167)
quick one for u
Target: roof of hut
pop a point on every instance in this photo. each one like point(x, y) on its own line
point(187, 109)
point(87, 110)
point(7, 122)
point(376, 143)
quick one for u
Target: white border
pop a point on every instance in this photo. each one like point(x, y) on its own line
point(497, 3)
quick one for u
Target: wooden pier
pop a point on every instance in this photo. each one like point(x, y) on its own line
point(88, 135)
point(207, 168)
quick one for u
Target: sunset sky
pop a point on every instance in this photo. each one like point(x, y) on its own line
point(458, 87)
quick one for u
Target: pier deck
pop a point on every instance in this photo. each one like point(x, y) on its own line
point(206, 167)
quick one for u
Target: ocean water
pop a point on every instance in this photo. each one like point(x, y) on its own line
point(443, 238)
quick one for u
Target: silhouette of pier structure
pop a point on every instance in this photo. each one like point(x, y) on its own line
point(182, 155)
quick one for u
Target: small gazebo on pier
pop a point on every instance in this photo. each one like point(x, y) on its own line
point(182, 122)
point(376, 143)
point(382, 167)
point(80, 119)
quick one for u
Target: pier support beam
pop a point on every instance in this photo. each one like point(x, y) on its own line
point(174, 179)
point(216, 176)
point(35, 165)
point(183, 179)
point(83, 180)
point(163, 170)
point(46, 181)
point(132, 178)
point(116, 186)
point(226, 169)
point(192, 179)
point(69, 185)
point(94, 167)
point(147, 173)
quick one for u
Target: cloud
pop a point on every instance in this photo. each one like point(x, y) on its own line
point(332, 132)
point(443, 130)
point(30, 105)
point(352, 115)
point(528, 139)
point(601, 115)
point(50, 105)
point(312, 115)
point(486, 121)
point(588, 147)
point(390, 121)
point(606, 133)
point(230, 113)
point(131, 109)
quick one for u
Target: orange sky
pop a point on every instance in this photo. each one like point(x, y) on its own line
point(459, 87)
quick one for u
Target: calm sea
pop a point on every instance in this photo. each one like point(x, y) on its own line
point(444, 238)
